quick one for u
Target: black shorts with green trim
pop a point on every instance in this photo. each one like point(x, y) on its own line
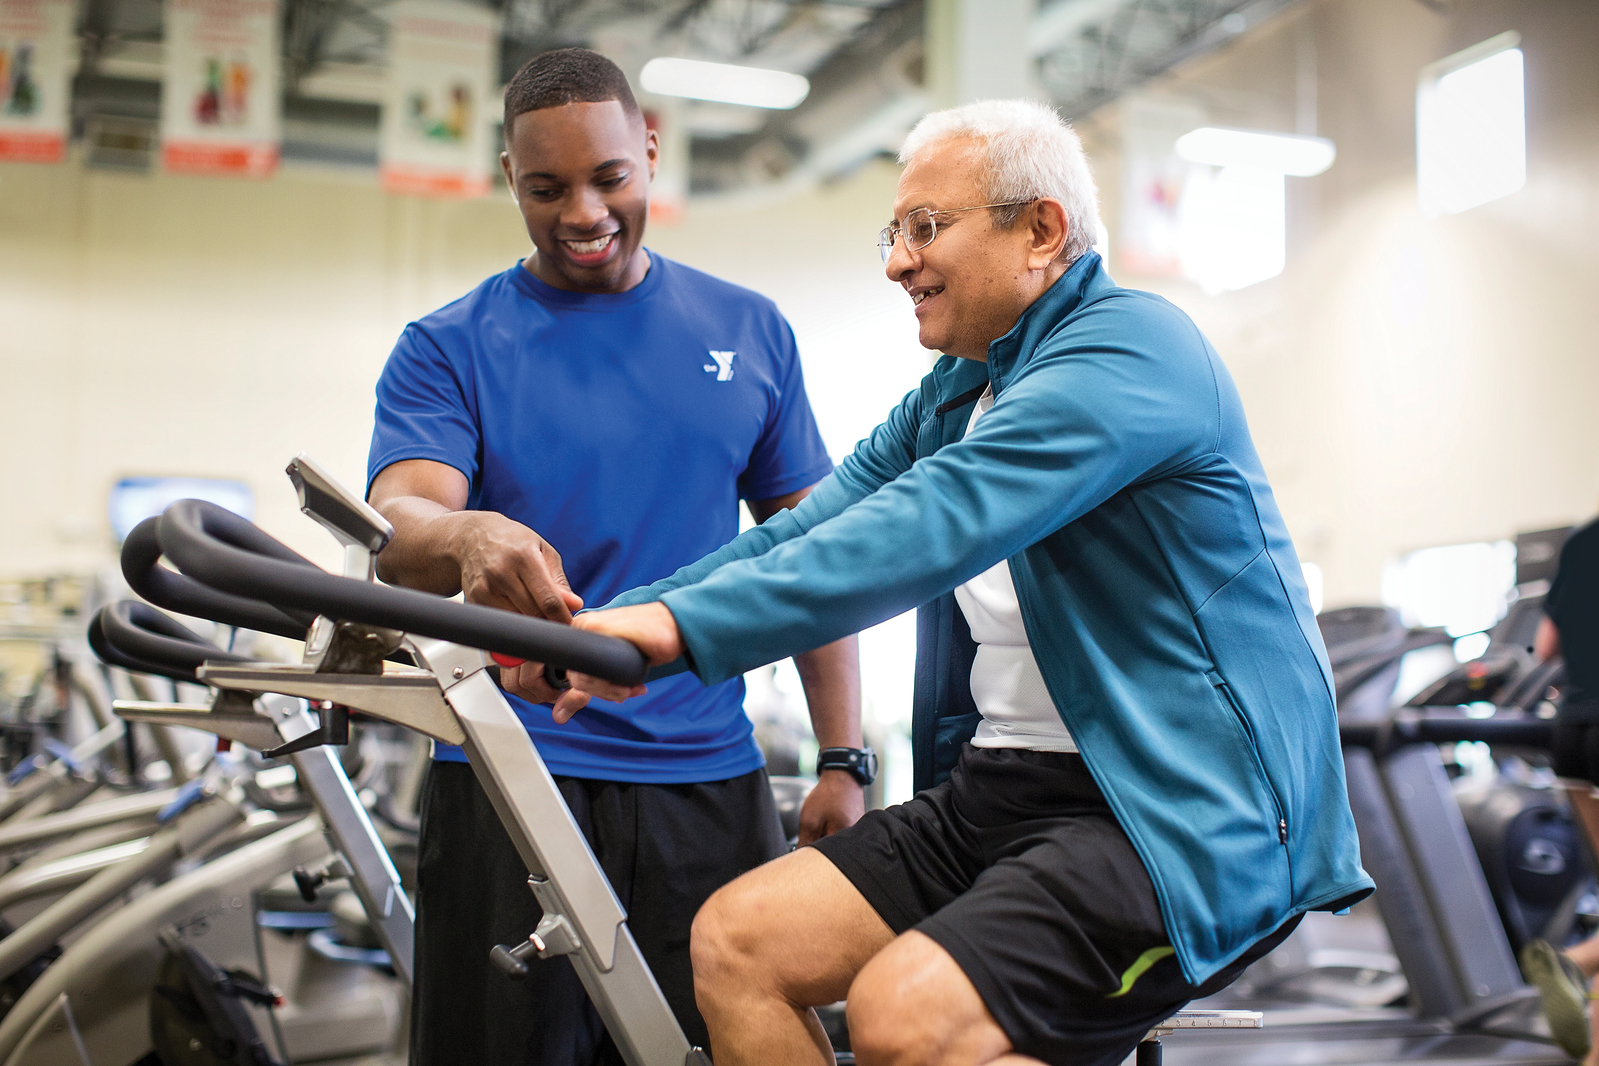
point(1017, 867)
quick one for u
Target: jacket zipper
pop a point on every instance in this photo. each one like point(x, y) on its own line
point(1254, 749)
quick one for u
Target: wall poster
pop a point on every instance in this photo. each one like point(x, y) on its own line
point(441, 101)
point(219, 98)
point(38, 53)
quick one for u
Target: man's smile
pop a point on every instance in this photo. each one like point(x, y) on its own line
point(590, 252)
point(920, 296)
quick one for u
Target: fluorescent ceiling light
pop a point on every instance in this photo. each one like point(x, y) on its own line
point(1281, 153)
point(1471, 127)
point(724, 83)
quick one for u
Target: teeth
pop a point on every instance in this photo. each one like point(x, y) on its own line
point(917, 299)
point(590, 247)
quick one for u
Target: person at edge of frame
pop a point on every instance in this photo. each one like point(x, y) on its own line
point(1570, 628)
point(582, 423)
point(1124, 729)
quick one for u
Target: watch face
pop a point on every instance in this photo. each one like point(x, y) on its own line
point(859, 763)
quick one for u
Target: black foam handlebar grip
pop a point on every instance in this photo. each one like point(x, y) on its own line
point(1384, 736)
point(142, 632)
point(111, 655)
point(141, 554)
point(228, 553)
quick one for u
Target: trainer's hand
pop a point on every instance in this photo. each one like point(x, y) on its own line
point(837, 802)
point(649, 626)
point(527, 681)
point(505, 564)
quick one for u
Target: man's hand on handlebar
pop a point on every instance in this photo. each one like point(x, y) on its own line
point(441, 547)
point(505, 564)
point(528, 681)
point(649, 626)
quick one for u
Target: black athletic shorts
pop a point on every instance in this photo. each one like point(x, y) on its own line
point(666, 848)
point(1575, 749)
point(1017, 867)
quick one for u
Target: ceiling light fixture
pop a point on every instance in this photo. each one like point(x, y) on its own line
point(724, 83)
point(1281, 153)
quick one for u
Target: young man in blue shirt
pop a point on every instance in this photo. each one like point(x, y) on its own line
point(1123, 725)
point(583, 423)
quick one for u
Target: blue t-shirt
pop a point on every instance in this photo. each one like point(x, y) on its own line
point(623, 428)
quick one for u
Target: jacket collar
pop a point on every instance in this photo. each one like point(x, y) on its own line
point(1010, 353)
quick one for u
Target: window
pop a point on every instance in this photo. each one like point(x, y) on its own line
point(1463, 587)
point(1471, 129)
point(133, 499)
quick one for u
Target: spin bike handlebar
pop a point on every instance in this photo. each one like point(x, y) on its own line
point(144, 634)
point(141, 554)
point(219, 549)
point(111, 655)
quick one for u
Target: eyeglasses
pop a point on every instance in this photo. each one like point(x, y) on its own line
point(921, 226)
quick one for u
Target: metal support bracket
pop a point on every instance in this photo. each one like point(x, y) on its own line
point(404, 695)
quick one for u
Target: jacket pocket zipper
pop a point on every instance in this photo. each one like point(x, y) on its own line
point(1254, 749)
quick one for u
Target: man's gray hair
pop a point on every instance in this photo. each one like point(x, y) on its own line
point(1031, 152)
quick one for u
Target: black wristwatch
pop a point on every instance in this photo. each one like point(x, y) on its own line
point(859, 763)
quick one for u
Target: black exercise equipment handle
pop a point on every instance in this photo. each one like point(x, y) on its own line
point(1384, 736)
point(228, 553)
point(144, 633)
point(113, 656)
point(1355, 671)
point(141, 554)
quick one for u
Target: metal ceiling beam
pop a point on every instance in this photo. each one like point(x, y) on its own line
point(1107, 48)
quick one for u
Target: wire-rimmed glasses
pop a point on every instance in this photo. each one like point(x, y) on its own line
point(921, 226)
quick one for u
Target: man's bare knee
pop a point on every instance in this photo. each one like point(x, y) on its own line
point(880, 1035)
point(911, 1006)
point(723, 945)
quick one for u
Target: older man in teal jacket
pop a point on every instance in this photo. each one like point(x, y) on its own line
point(1124, 731)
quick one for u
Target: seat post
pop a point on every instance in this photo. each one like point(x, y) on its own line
point(1149, 1052)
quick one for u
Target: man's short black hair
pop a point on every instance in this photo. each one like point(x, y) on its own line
point(566, 76)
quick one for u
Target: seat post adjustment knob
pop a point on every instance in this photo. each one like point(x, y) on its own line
point(512, 961)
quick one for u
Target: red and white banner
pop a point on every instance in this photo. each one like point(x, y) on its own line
point(219, 97)
point(38, 53)
point(441, 99)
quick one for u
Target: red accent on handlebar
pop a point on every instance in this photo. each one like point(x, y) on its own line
point(508, 662)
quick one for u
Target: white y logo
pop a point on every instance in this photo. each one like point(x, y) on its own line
point(723, 367)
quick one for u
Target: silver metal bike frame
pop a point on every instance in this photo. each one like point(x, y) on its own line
point(372, 874)
point(583, 919)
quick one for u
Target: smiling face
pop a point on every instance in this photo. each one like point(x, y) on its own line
point(975, 279)
point(581, 176)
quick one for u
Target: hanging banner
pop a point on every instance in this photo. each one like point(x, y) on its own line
point(38, 51)
point(441, 99)
point(219, 96)
point(1153, 178)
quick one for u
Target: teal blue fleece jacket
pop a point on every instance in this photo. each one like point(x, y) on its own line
point(1160, 592)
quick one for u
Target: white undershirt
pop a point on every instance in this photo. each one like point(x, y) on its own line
point(1006, 684)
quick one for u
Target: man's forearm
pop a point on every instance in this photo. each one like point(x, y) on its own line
point(421, 554)
point(831, 676)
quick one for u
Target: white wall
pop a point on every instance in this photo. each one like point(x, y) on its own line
point(173, 325)
point(1411, 381)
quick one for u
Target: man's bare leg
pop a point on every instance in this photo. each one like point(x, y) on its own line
point(912, 1005)
point(771, 945)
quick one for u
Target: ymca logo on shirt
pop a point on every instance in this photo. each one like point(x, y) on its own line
point(722, 367)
